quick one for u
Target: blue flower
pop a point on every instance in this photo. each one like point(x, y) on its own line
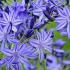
point(38, 7)
point(20, 9)
point(18, 55)
point(57, 3)
point(26, 27)
point(66, 62)
point(63, 21)
point(38, 25)
point(37, 10)
point(59, 53)
point(5, 37)
point(59, 43)
point(42, 43)
point(18, 6)
point(10, 20)
point(52, 63)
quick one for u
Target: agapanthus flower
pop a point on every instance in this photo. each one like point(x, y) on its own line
point(59, 53)
point(38, 25)
point(57, 3)
point(20, 9)
point(23, 41)
point(4, 36)
point(42, 42)
point(66, 62)
point(18, 6)
point(52, 63)
point(63, 21)
point(54, 5)
point(37, 9)
point(10, 20)
point(17, 55)
point(28, 26)
point(31, 67)
point(59, 43)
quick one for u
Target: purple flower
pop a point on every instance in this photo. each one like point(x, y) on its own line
point(38, 25)
point(59, 43)
point(37, 10)
point(52, 63)
point(56, 3)
point(20, 9)
point(3, 32)
point(66, 62)
point(18, 6)
point(59, 53)
point(38, 7)
point(5, 37)
point(63, 21)
point(10, 20)
point(42, 42)
point(18, 55)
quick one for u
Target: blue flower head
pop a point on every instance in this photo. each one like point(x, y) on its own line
point(17, 55)
point(42, 43)
point(52, 63)
point(22, 22)
point(10, 20)
point(59, 43)
point(63, 21)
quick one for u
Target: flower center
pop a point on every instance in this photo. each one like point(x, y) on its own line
point(16, 55)
point(41, 45)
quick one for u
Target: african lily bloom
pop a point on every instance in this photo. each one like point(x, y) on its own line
point(42, 42)
point(17, 55)
point(25, 40)
point(52, 63)
point(63, 21)
point(10, 20)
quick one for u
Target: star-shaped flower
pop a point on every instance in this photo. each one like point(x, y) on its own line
point(10, 20)
point(52, 63)
point(38, 8)
point(17, 55)
point(5, 37)
point(42, 43)
point(63, 21)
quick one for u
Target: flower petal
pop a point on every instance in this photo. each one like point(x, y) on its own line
point(7, 52)
point(68, 30)
point(61, 25)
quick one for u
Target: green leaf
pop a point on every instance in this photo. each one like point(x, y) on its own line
point(9, 2)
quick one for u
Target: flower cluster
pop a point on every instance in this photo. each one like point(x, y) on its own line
point(24, 36)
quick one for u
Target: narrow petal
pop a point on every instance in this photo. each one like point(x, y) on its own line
point(17, 22)
point(41, 56)
point(39, 36)
point(7, 52)
point(34, 42)
point(61, 26)
point(66, 62)
point(60, 11)
point(66, 11)
point(6, 16)
point(3, 22)
point(68, 30)
point(24, 61)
